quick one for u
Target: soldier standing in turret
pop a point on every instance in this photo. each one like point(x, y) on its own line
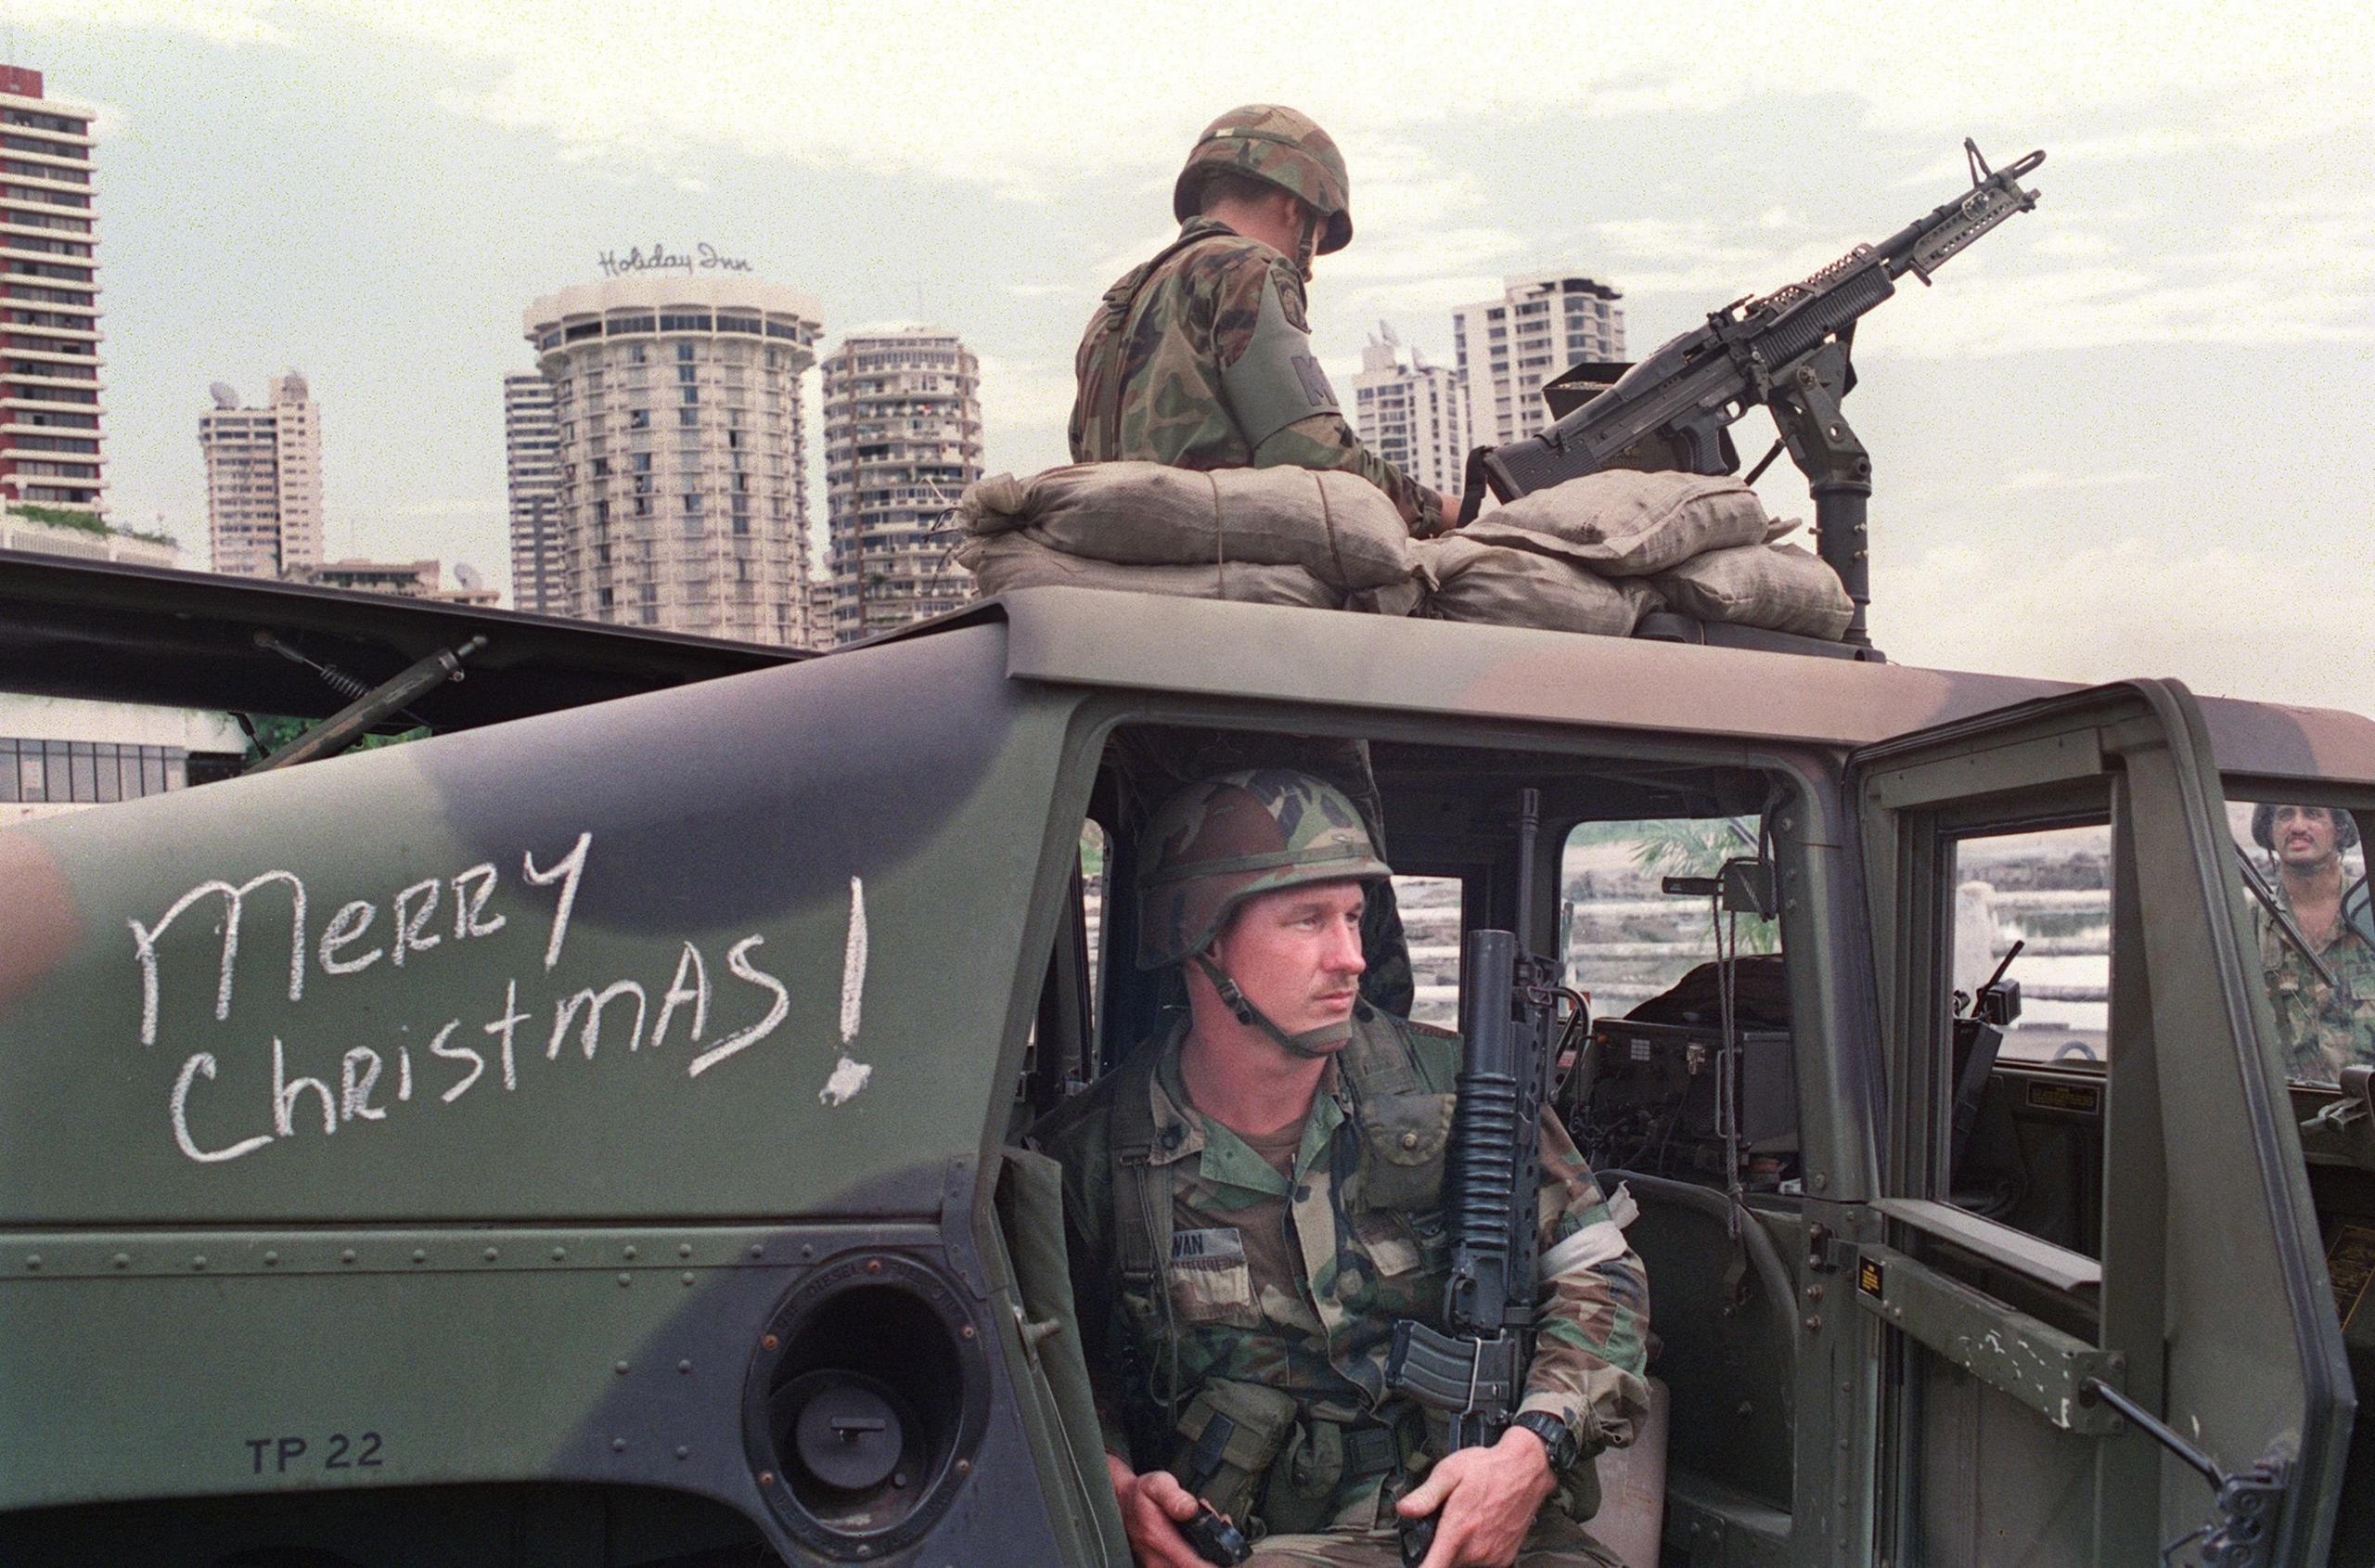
point(1201, 357)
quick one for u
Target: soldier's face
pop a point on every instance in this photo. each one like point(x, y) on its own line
point(2305, 835)
point(1296, 954)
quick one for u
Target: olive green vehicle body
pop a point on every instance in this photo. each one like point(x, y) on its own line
point(281, 1184)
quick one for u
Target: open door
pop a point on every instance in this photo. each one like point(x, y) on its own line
point(2136, 1353)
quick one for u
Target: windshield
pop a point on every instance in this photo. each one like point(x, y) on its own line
point(2302, 868)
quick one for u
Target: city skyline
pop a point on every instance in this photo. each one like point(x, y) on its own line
point(2085, 438)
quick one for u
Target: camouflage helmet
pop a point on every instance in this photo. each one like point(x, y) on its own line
point(1275, 144)
point(1218, 842)
point(2264, 826)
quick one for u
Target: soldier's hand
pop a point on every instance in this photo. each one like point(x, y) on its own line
point(1449, 507)
point(1487, 1498)
point(1153, 1507)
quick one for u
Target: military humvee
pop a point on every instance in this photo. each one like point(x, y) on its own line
point(589, 1139)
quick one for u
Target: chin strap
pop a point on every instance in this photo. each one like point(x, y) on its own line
point(1307, 246)
point(1311, 1045)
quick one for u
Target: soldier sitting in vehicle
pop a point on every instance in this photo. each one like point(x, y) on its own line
point(2321, 1026)
point(1253, 1200)
point(1201, 359)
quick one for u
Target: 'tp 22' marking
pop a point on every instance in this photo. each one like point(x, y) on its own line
point(360, 1451)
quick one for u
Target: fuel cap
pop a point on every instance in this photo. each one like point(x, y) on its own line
point(849, 1436)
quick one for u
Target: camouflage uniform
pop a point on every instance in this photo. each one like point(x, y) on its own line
point(1238, 1294)
point(1200, 358)
point(2319, 1030)
point(1366, 1245)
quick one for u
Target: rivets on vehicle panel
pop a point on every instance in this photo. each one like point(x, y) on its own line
point(199, 1261)
point(347, 1256)
point(685, 1278)
point(559, 1254)
point(874, 1265)
point(620, 1367)
point(757, 1251)
point(626, 1279)
point(618, 1444)
point(420, 1254)
point(123, 1260)
point(627, 1252)
point(32, 1260)
point(490, 1255)
point(684, 1249)
point(683, 1452)
point(271, 1260)
point(683, 1365)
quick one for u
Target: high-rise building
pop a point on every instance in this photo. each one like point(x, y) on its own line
point(683, 496)
point(1542, 325)
point(532, 472)
point(1414, 415)
point(263, 481)
point(49, 343)
point(903, 439)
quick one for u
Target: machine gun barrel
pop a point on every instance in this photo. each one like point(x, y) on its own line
point(1786, 351)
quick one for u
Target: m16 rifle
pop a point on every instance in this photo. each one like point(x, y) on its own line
point(1788, 351)
point(1473, 1369)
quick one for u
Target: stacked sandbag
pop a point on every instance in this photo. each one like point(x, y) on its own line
point(1622, 523)
point(1702, 543)
point(1470, 580)
point(1003, 562)
point(1333, 528)
point(1778, 587)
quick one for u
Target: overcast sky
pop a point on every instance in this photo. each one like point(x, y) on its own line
point(2123, 436)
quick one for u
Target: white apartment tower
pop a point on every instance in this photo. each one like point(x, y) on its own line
point(49, 341)
point(531, 473)
point(263, 481)
point(903, 439)
point(1414, 415)
point(683, 496)
point(1543, 324)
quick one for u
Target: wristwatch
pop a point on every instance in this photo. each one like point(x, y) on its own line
point(1557, 1443)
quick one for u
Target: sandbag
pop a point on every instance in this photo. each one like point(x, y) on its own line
point(1470, 580)
point(1778, 587)
point(1001, 562)
point(1336, 526)
point(1625, 523)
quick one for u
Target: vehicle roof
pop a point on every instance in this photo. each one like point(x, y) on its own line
point(1095, 637)
point(133, 634)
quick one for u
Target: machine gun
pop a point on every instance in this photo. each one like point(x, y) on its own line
point(1787, 350)
point(1473, 1371)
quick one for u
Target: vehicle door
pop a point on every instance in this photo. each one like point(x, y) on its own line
point(2146, 1354)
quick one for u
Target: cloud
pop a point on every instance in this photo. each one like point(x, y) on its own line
point(2036, 480)
point(2220, 620)
point(220, 21)
point(1000, 97)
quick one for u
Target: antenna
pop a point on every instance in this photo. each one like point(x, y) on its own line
point(224, 395)
point(470, 577)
